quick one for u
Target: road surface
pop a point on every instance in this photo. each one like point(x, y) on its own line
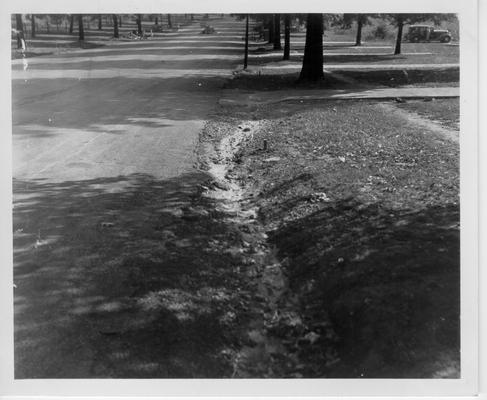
point(103, 150)
point(129, 107)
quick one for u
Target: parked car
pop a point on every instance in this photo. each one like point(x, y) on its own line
point(427, 33)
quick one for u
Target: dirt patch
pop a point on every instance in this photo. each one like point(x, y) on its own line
point(445, 112)
point(362, 207)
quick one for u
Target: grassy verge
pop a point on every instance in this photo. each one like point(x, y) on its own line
point(275, 80)
point(363, 209)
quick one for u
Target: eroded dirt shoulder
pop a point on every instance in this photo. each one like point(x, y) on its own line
point(356, 209)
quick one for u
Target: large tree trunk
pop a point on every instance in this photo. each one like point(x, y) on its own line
point(287, 36)
point(312, 69)
point(139, 24)
point(115, 25)
point(20, 29)
point(400, 24)
point(360, 23)
point(169, 21)
point(99, 22)
point(80, 27)
point(272, 30)
point(277, 30)
point(32, 26)
point(71, 24)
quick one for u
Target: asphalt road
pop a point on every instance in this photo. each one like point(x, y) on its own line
point(103, 151)
point(129, 107)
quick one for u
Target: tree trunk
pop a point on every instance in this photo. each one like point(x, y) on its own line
point(400, 24)
point(246, 56)
point(272, 30)
point(20, 30)
point(169, 21)
point(120, 21)
point(71, 24)
point(287, 36)
point(115, 25)
point(192, 17)
point(80, 27)
point(32, 26)
point(99, 22)
point(156, 22)
point(277, 34)
point(312, 69)
point(360, 23)
point(139, 24)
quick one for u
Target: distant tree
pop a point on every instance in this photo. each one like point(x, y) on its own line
point(81, 29)
point(139, 24)
point(277, 32)
point(19, 25)
point(361, 20)
point(269, 22)
point(287, 36)
point(99, 22)
point(71, 24)
point(169, 21)
point(246, 55)
point(312, 68)
point(120, 21)
point(57, 19)
point(115, 25)
point(32, 25)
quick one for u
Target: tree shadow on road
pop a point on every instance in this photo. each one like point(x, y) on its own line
point(117, 277)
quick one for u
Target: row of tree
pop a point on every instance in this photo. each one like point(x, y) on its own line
point(312, 68)
point(78, 19)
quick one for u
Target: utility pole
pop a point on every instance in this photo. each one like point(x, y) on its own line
point(246, 58)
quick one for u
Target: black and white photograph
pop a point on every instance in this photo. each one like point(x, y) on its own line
point(240, 195)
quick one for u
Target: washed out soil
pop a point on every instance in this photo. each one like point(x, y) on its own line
point(361, 208)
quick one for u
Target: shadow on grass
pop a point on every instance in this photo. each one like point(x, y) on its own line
point(389, 282)
point(115, 278)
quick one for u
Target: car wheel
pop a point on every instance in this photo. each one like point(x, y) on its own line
point(446, 39)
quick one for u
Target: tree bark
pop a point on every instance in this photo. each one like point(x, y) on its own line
point(360, 23)
point(99, 22)
point(115, 26)
point(312, 69)
point(32, 26)
point(277, 30)
point(139, 24)
point(71, 24)
point(287, 36)
point(400, 24)
point(80, 27)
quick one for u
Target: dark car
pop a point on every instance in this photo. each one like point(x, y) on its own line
point(427, 33)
